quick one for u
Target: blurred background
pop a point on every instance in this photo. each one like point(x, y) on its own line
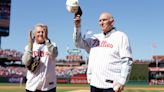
point(141, 20)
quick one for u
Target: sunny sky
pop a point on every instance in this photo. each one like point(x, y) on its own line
point(141, 20)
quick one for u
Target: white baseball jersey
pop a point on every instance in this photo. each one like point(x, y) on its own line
point(44, 78)
point(108, 57)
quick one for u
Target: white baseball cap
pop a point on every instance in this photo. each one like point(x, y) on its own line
point(72, 2)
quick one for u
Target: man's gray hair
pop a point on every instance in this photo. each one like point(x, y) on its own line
point(40, 25)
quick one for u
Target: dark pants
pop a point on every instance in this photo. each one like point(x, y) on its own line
point(94, 89)
point(51, 90)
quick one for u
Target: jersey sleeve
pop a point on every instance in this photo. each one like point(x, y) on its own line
point(27, 56)
point(79, 41)
point(124, 47)
point(126, 59)
point(52, 49)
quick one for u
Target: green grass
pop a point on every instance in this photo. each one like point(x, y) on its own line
point(78, 86)
point(13, 90)
point(145, 86)
point(10, 84)
point(141, 91)
point(72, 85)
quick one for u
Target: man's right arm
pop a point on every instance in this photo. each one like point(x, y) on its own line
point(79, 41)
point(27, 56)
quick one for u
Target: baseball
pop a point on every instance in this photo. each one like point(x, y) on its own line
point(72, 6)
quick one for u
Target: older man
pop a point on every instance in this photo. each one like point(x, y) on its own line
point(40, 59)
point(110, 56)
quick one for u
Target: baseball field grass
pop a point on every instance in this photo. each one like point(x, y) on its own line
point(14, 87)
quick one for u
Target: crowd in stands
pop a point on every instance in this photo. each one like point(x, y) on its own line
point(10, 54)
point(64, 71)
point(12, 71)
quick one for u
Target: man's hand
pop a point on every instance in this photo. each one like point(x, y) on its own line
point(117, 87)
point(45, 34)
point(77, 21)
point(30, 39)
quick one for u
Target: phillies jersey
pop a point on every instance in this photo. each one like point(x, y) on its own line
point(44, 77)
point(110, 57)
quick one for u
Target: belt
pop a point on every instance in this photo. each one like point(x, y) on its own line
point(109, 81)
